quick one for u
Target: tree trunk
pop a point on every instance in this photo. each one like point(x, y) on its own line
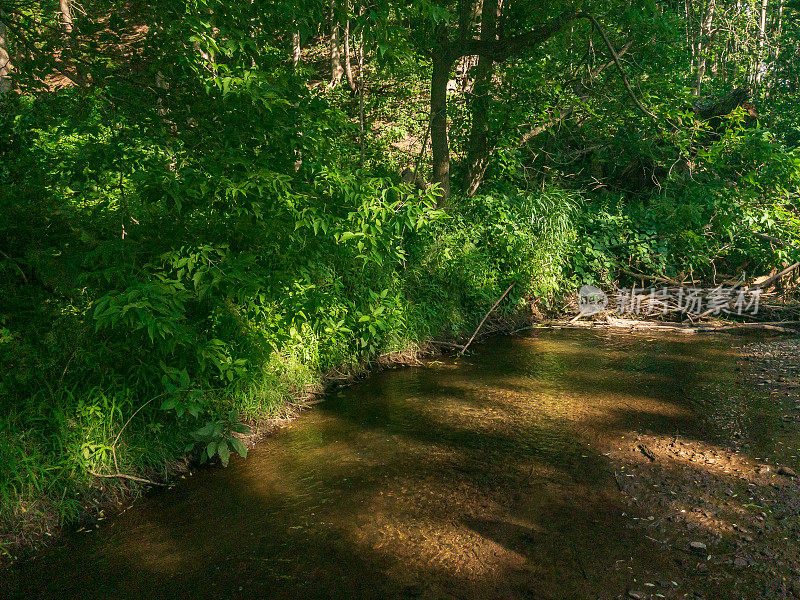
point(778, 42)
point(66, 15)
point(439, 143)
point(703, 44)
point(362, 83)
point(778, 31)
point(295, 49)
point(762, 38)
point(5, 58)
point(336, 58)
point(478, 156)
point(447, 52)
point(690, 38)
point(348, 70)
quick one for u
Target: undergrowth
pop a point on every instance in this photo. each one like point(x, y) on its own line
point(156, 303)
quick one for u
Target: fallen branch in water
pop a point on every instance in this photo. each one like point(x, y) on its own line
point(486, 316)
point(758, 286)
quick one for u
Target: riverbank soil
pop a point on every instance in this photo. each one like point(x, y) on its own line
point(565, 464)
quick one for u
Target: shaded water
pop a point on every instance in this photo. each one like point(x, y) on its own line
point(485, 477)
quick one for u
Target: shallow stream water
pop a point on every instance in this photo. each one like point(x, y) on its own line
point(486, 476)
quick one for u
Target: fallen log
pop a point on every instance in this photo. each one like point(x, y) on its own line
point(774, 278)
point(632, 325)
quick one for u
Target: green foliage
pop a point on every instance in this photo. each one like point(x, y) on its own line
point(217, 439)
point(744, 188)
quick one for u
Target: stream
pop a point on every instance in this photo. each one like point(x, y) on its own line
point(514, 472)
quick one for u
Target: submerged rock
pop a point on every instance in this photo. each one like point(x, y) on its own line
point(698, 547)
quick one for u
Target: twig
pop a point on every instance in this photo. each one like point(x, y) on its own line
point(769, 238)
point(422, 151)
point(486, 316)
point(578, 560)
point(662, 279)
point(526, 328)
point(116, 439)
point(619, 485)
point(13, 262)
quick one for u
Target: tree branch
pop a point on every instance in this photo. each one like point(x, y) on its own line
point(615, 56)
point(503, 49)
point(124, 476)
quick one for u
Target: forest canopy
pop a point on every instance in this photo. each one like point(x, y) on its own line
point(206, 206)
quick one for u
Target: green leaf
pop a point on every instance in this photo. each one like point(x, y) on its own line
point(224, 453)
point(206, 431)
point(241, 428)
point(211, 449)
point(238, 446)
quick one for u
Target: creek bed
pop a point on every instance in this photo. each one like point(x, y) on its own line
point(567, 464)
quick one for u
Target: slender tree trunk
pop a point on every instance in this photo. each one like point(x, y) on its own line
point(778, 31)
point(440, 146)
point(703, 44)
point(571, 51)
point(463, 72)
point(478, 156)
point(66, 15)
point(776, 50)
point(348, 70)
point(336, 58)
point(362, 83)
point(296, 49)
point(690, 38)
point(762, 38)
point(5, 57)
